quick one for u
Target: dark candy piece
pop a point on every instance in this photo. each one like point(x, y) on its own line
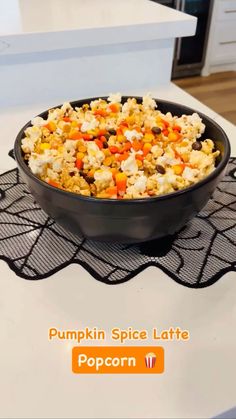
point(89, 179)
point(161, 169)
point(156, 130)
point(197, 145)
point(112, 131)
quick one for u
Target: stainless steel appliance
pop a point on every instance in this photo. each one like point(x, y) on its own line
point(189, 53)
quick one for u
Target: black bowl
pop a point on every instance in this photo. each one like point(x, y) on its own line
point(135, 220)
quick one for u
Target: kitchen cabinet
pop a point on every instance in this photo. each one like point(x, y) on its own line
point(221, 50)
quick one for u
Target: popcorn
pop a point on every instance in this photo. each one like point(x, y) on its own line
point(129, 166)
point(89, 125)
point(95, 156)
point(132, 135)
point(114, 98)
point(103, 179)
point(38, 162)
point(114, 151)
point(189, 174)
point(38, 121)
point(150, 360)
point(148, 102)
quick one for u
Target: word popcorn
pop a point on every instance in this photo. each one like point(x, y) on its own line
point(109, 361)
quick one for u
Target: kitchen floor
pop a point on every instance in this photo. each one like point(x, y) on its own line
point(218, 91)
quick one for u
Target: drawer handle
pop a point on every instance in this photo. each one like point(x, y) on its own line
point(227, 42)
point(230, 11)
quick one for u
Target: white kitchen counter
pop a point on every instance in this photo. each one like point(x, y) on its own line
point(50, 49)
point(42, 25)
point(36, 378)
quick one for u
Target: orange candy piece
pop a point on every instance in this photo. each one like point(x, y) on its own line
point(99, 143)
point(139, 157)
point(146, 148)
point(178, 168)
point(51, 126)
point(100, 112)
point(79, 164)
point(121, 182)
point(114, 172)
point(123, 156)
point(114, 107)
point(111, 191)
point(113, 149)
point(174, 136)
point(53, 183)
point(137, 145)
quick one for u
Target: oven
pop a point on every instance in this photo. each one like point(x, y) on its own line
point(169, 3)
point(190, 52)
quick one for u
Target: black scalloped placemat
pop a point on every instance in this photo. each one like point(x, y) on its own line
point(35, 246)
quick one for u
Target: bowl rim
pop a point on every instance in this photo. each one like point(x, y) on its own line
point(221, 166)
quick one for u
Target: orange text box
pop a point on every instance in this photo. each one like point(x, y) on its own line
point(118, 360)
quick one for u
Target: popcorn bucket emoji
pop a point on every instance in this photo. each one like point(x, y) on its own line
point(150, 360)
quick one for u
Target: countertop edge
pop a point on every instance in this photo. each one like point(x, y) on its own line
point(82, 38)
